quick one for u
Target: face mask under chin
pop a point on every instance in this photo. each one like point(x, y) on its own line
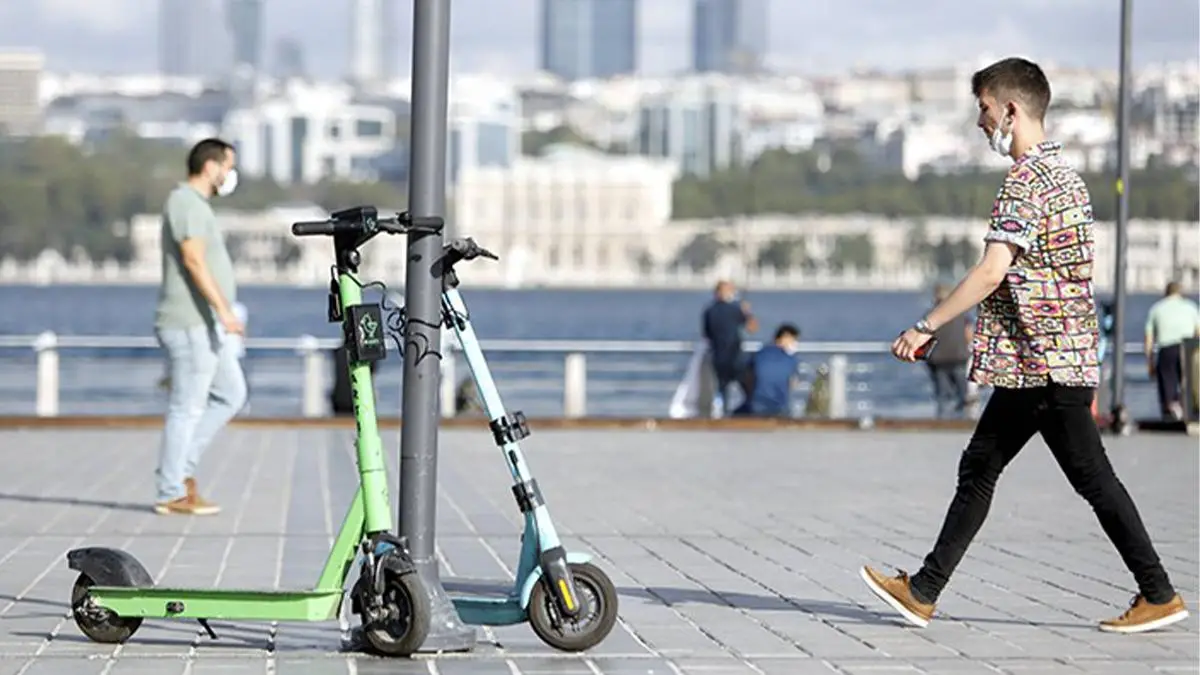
point(229, 184)
point(1000, 141)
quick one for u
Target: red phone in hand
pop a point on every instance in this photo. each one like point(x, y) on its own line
point(925, 350)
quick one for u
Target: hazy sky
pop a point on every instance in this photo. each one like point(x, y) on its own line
point(501, 35)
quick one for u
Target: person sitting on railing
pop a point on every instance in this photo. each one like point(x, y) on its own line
point(769, 375)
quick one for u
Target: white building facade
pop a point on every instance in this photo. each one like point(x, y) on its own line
point(572, 216)
point(308, 133)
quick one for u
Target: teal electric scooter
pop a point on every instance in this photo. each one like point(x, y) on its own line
point(570, 603)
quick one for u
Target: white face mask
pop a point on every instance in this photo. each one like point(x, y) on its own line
point(1000, 141)
point(230, 184)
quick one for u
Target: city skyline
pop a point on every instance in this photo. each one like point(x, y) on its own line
point(120, 36)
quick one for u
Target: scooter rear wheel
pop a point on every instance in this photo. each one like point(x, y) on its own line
point(99, 624)
point(575, 635)
point(405, 631)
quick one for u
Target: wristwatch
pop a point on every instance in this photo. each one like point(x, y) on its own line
point(922, 326)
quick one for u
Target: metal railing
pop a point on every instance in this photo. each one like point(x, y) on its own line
point(314, 364)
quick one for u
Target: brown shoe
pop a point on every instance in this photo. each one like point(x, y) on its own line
point(184, 506)
point(1143, 616)
point(194, 495)
point(897, 593)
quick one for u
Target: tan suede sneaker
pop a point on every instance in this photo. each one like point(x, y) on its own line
point(194, 495)
point(897, 593)
point(1143, 616)
point(184, 506)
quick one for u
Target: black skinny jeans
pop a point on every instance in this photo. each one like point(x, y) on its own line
point(1063, 417)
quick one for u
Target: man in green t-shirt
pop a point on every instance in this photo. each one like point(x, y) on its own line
point(194, 323)
point(1169, 322)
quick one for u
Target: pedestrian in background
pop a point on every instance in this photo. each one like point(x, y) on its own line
point(197, 326)
point(948, 363)
point(1169, 322)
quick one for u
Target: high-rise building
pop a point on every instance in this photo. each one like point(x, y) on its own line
point(729, 36)
point(245, 21)
point(589, 38)
point(373, 52)
point(696, 123)
point(289, 59)
point(191, 38)
point(174, 41)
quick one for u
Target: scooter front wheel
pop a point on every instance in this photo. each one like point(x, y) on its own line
point(585, 632)
point(407, 625)
point(98, 623)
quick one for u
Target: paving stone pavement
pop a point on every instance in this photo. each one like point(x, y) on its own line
point(735, 552)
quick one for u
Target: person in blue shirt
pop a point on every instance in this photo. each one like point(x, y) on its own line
point(769, 376)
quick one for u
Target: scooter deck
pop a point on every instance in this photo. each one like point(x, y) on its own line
point(487, 588)
point(220, 603)
point(485, 602)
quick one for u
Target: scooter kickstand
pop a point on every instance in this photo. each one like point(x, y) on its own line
point(204, 622)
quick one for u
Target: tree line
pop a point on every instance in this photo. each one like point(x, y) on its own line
point(938, 259)
point(840, 181)
point(71, 198)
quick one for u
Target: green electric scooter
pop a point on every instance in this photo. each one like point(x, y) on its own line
point(114, 592)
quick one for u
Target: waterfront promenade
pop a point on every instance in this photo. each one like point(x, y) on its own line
point(735, 551)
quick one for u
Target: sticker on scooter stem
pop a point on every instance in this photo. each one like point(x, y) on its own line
point(367, 342)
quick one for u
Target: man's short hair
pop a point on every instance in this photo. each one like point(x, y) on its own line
point(207, 150)
point(1174, 287)
point(787, 329)
point(1015, 78)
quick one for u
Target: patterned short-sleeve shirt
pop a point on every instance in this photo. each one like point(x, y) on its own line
point(1040, 326)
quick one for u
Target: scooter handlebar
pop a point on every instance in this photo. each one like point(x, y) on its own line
point(398, 224)
point(467, 249)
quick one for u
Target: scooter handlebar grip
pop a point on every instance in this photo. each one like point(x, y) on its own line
point(312, 227)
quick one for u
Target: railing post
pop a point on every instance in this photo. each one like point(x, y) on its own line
point(575, 385)
point(837, 386)
point(46, 346)
point(449, 392)
point(314, 376)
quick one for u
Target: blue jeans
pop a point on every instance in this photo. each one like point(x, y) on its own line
point(207, 390)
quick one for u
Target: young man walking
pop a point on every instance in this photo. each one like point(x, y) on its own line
point(196, 325)
point(1035, 343)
